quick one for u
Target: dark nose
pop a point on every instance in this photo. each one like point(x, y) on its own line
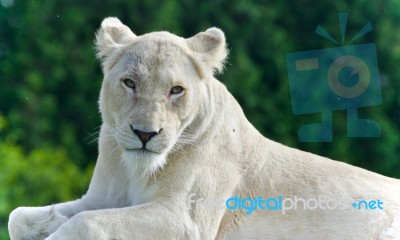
point(144, 136)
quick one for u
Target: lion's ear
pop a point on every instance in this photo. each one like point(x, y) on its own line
point(211, 47)
point(112, 35)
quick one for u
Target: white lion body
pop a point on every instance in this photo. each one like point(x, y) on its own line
point(204, 146)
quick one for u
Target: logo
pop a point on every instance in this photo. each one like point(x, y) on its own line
point(280, 203)
point(249, 205)
point(340, 78)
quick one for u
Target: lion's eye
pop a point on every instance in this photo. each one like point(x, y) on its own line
point(176, 90)
point(129, 83)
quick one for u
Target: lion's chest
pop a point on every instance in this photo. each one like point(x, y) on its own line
point(139, 192)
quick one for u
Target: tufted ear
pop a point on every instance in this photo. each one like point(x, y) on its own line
point(211, 47)
point(111, 35)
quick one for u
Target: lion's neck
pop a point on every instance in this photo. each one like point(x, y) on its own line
point(224, 125)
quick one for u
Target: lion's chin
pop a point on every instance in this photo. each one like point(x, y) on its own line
point(142, 162)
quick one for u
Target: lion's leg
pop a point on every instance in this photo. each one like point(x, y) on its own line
point(154, 220)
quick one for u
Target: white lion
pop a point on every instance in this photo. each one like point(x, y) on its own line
point(171, 131)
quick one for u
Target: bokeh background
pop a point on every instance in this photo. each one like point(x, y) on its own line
point(50, 80)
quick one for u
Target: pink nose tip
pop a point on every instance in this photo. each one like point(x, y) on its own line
point(144, 136)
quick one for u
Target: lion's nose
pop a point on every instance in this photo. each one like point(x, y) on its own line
point(144, 136)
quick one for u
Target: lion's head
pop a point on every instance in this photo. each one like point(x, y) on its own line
point(154, 88)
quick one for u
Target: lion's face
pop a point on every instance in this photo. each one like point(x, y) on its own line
point(154, 87)
point(150, 93)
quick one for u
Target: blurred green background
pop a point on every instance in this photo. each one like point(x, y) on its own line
point(50, 80)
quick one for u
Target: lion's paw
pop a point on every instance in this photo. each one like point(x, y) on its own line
point(34, 222)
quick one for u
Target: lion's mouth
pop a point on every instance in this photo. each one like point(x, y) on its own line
point(141, 150)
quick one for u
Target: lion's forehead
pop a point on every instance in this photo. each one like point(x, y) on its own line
point(157, 51)
point(156, 59)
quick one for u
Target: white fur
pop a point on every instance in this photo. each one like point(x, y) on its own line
point(205, 146)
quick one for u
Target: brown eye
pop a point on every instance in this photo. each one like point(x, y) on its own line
point(176, 90)
point(129, 83)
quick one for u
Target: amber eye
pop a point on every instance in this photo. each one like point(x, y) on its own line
point(129, 83)
point(176, 90)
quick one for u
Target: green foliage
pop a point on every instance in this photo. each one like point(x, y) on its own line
point(41, 177)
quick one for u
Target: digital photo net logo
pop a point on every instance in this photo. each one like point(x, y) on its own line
point(340, 78)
